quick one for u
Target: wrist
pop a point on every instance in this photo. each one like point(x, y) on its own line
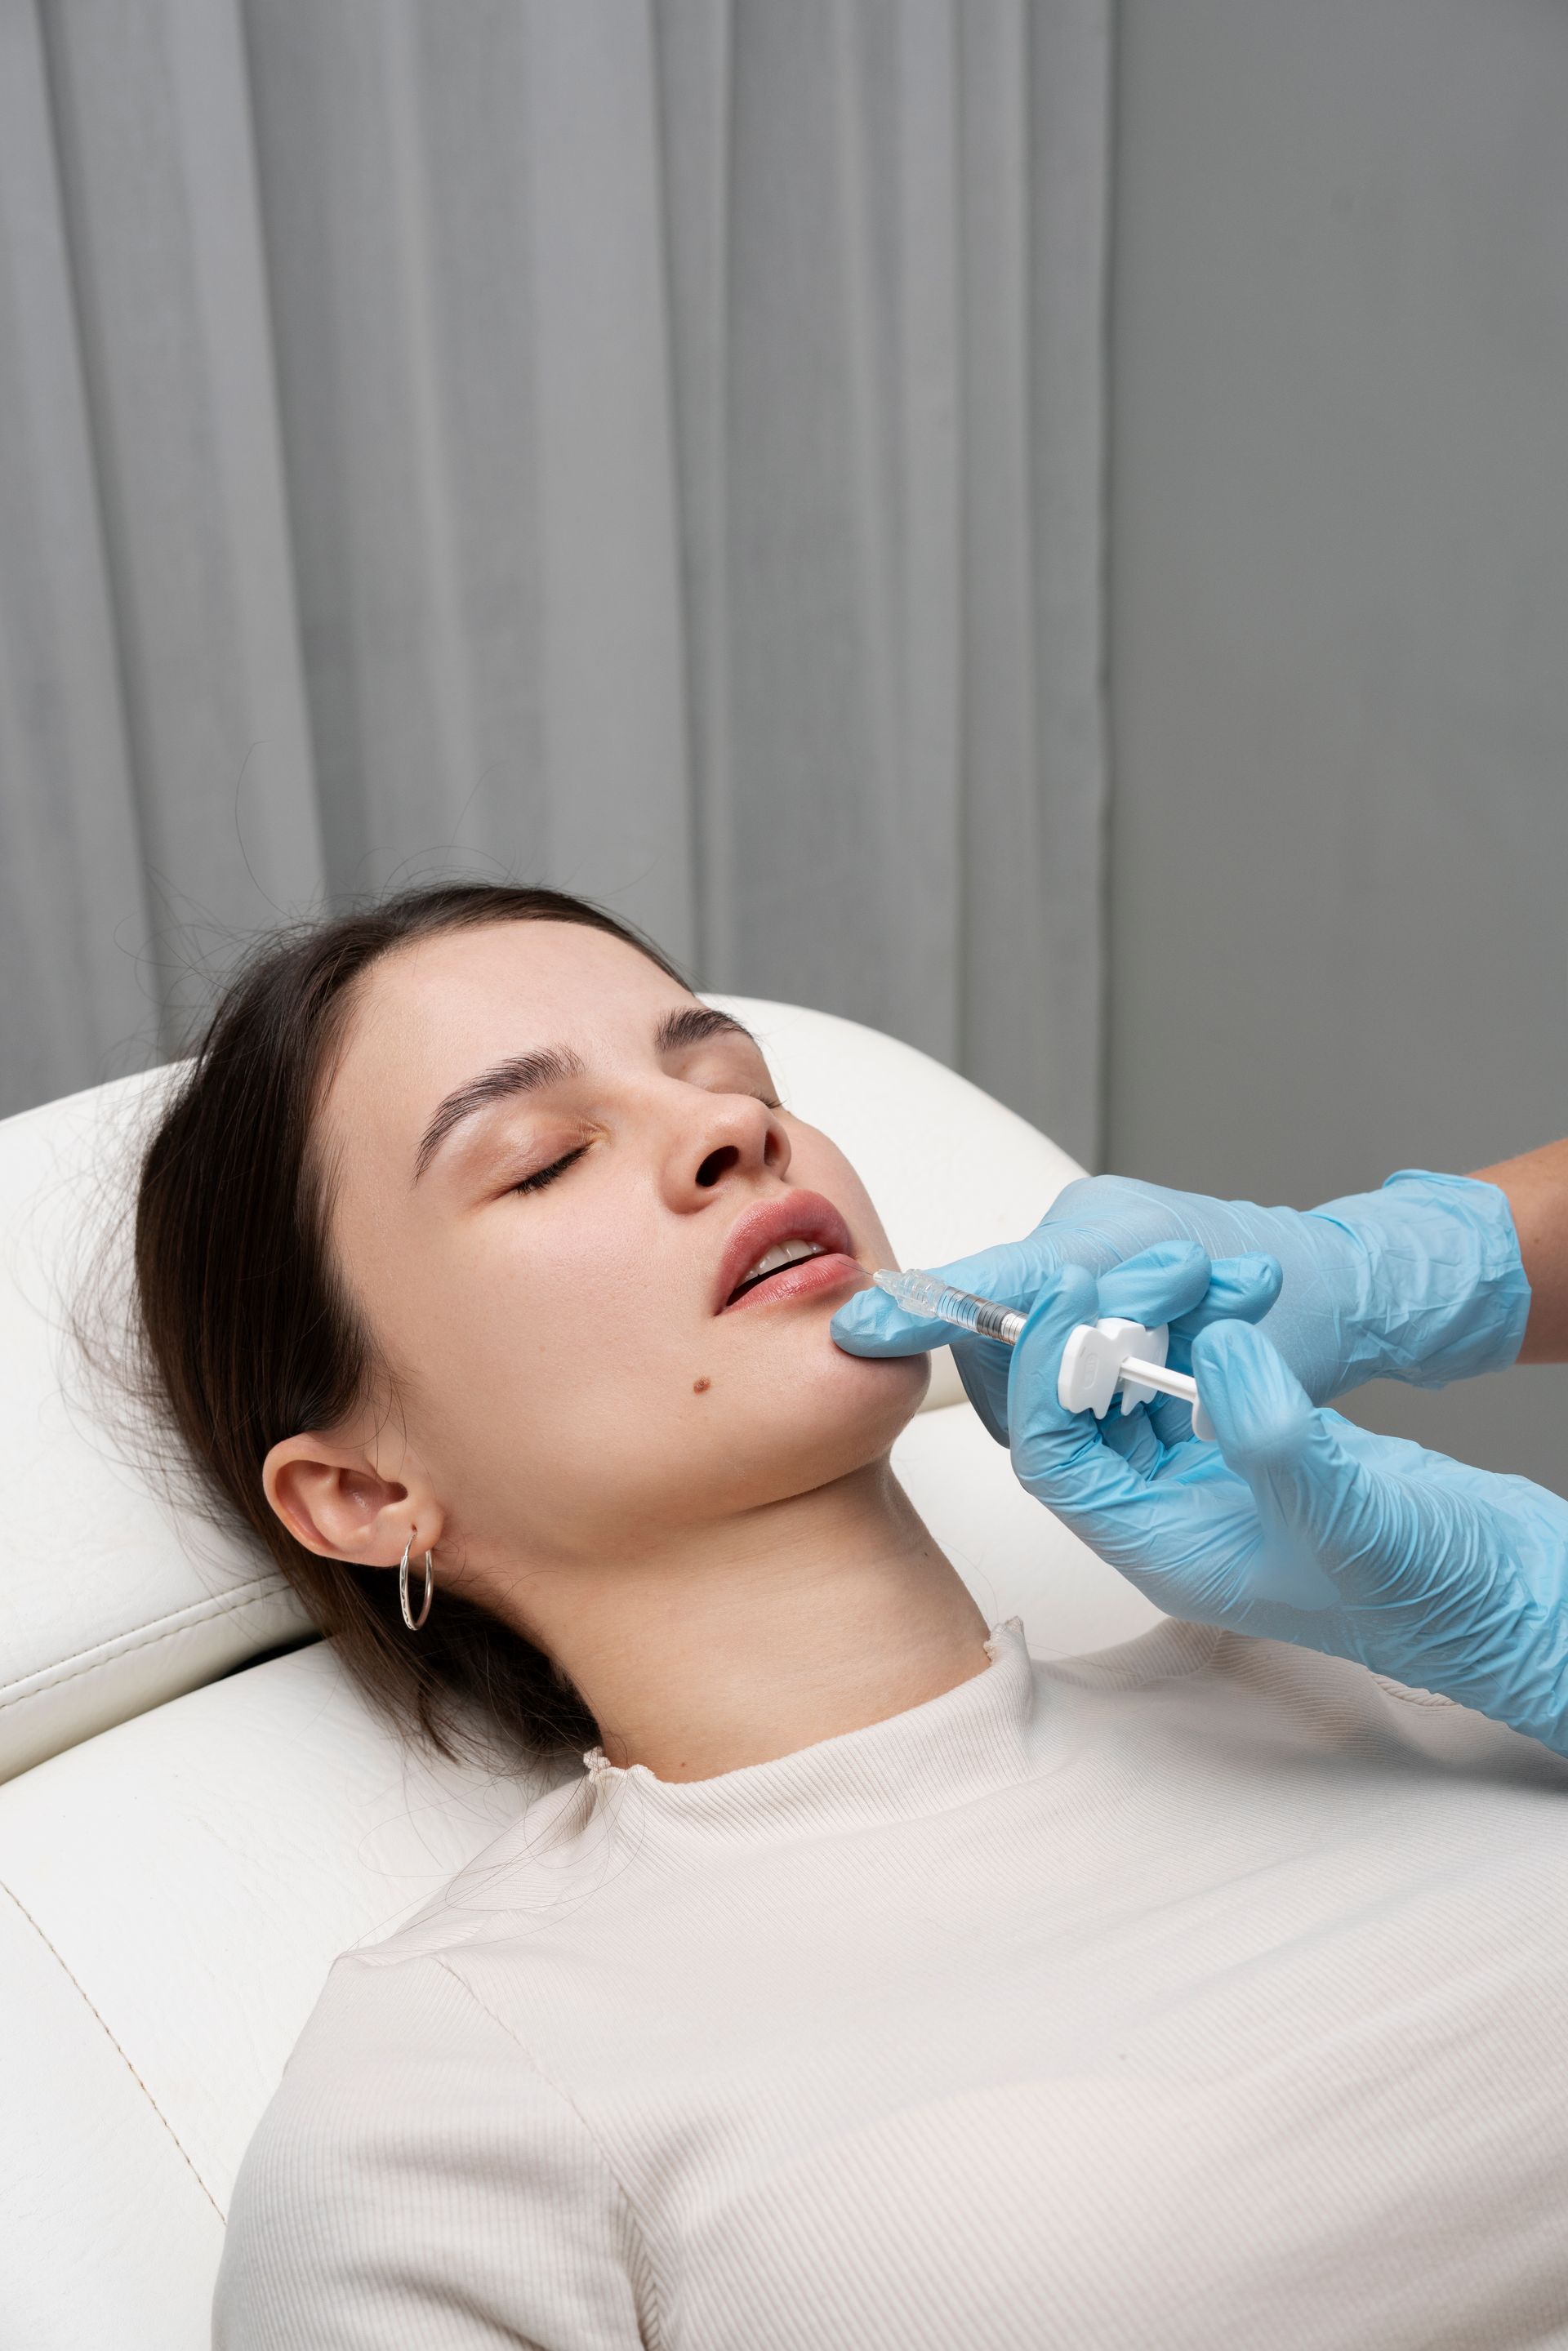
point(1437, 1289)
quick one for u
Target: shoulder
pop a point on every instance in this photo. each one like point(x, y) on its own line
point(1285, 1695)
point(415, 2175)
point(525, 1877)
point(1172, 1650)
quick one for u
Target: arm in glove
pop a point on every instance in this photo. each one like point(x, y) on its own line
point(1420, 1280)
point(1297, 1525)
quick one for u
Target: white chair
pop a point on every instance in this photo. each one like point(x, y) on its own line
point(195, 1816)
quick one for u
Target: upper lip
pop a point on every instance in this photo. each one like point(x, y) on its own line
point(793, 1216)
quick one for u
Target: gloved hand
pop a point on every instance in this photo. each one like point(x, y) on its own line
point(1297, 1525)
point(1420, 1280)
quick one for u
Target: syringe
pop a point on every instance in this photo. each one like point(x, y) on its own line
point(922, 1293)
point(1094, 1364)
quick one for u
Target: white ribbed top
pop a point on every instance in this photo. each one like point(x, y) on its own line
point(1208, 1993)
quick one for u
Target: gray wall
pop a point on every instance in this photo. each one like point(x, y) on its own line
point(1339, 597)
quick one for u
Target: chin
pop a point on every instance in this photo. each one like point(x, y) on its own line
point(906, 1378)
point(861, 1404)
point(788, 1436)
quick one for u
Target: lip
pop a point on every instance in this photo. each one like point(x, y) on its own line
point(792, 1217)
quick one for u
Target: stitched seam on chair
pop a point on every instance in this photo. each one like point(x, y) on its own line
point(630, 2201)
point(107, 1652)
point(12, 1895)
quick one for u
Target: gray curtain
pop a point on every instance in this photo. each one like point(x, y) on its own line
point(651, 447)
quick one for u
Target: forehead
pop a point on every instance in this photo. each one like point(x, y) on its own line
point(435, 1012)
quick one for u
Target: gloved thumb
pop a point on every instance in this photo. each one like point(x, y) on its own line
point(1060, 1456)
point(1309, 1489)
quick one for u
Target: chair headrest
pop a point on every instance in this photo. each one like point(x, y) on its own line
point(117, 1596)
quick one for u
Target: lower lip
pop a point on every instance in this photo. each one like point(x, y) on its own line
point(801, 1280)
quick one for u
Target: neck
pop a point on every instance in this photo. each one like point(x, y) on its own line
point(754, 1637)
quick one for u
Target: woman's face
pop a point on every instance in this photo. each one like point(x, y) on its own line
point(542, 1151)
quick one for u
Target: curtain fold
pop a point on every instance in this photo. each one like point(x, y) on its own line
point(654, 446)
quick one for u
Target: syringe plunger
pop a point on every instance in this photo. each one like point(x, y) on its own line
point(1100, 1358)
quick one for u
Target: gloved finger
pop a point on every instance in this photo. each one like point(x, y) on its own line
point(1169, 1418)
point(1167, 1282)
point(1157, 1286)
point(1326, 1512)
point(1134, 1437)
point(1240, 1289)
point(1060, 1457)
point(1013, 1273)
point(983, 1365)
point(1174, 1283)
point(1243, 1288)
point(871, 1323)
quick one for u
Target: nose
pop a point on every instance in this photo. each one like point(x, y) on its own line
point(737, 1134)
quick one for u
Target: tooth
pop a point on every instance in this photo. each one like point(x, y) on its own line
point(782, 1253)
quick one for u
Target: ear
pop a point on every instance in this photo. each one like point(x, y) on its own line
point(332, 1498)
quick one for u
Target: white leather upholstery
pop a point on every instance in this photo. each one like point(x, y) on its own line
point(110, 1602)
point(173, 1887)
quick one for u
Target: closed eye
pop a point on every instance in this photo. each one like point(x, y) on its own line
point(536, 1182)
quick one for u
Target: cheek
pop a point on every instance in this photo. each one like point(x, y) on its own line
point(559, 1329)
point(508, 1342)
point(574, 1437)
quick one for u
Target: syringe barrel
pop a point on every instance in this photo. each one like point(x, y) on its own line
point(922, 1293)
point(982, 1315)
point(994, 1322)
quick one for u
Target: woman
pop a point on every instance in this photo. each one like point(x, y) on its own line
point(868, 1983)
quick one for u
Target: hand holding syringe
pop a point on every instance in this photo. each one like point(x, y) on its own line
point(1099, 1358)
point(1296, 1525)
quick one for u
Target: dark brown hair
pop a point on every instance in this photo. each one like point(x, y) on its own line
point(247, 1337)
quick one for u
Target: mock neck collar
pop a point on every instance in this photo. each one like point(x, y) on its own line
point(929, 1759)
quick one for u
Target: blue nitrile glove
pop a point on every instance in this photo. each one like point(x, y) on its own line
point(1420, 1280)
point(1297, 1525)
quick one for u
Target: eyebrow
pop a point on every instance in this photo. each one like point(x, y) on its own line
point(548, 1065)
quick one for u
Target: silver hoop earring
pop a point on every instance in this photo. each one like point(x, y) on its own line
point(413, 1623)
